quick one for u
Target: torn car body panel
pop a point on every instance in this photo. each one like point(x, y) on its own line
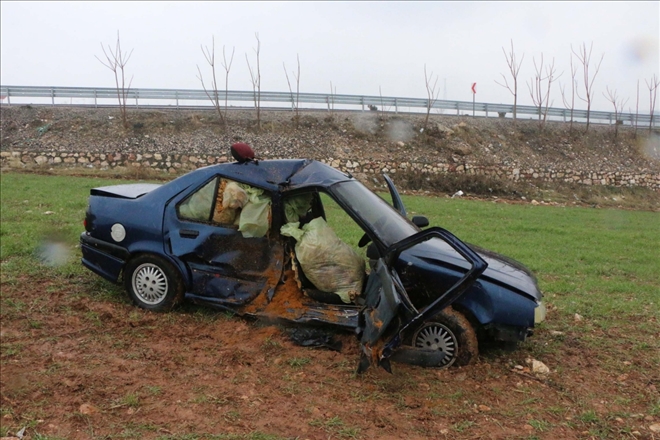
point(288, 303)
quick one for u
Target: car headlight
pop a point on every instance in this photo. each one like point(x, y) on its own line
point(539, 313)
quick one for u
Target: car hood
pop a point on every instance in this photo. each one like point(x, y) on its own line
point(128, 191)
point(501, 269)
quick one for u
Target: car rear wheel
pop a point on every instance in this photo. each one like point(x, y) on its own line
point(153, 283)
point(451, 332)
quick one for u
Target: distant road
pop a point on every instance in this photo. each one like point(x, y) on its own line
point(283, 101)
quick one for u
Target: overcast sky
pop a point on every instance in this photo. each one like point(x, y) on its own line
point(356, 46)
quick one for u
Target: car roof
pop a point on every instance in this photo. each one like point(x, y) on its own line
point(284, 174)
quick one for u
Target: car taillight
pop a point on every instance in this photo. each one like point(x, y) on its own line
point(88, 222)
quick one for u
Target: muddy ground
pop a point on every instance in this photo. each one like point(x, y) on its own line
point(80, 362)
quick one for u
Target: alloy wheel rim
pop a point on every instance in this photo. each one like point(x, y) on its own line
point(150, 283)
point(434, 336)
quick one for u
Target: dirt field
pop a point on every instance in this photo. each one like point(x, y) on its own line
point(80, 365)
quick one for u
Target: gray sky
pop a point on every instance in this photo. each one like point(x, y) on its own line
point(358, 46)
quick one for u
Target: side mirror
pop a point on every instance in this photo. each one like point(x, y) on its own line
point(420, 221)
point(372, 252)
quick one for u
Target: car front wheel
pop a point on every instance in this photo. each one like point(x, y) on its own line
point(451, 332)
point(153, 283)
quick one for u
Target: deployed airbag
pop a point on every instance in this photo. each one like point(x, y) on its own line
point(329, 263)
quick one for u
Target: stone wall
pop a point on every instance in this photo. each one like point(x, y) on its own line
point(178, 163)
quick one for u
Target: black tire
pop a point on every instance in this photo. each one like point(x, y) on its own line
point(449, 331)
point(153, 283)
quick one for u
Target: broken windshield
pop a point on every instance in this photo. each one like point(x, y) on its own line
point(378, 215)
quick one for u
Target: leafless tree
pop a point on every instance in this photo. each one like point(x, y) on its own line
point(570, 106)
point(116, 61)
point(331, 100)
point(382, 106)
point(637, 110)
point(213, 95)
point(514, 69)
point(540, 97)
point(227, 67)
point(431, 93)
point(295, 103)
point(584, 57)
point(618, 104)
point(255, 77)
point(653, 94)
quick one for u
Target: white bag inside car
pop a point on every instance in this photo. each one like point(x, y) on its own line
point(329, 263)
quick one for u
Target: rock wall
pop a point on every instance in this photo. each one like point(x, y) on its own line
point(365, 144)
point(179, 163)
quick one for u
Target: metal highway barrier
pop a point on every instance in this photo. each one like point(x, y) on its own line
point(198, 99)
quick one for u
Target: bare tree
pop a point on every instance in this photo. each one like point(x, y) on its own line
point(431, 93)
point(331, 100)
point(637, 110)
point(116, 61)
point(294, 103)
point(382, 106)
point(584, 57)
point(653, 94)
point(514, 69)
point(213, 94)
point(570, 106)
point(540, 97)
point(255, 77)
point(618, 106)
point(227, 67)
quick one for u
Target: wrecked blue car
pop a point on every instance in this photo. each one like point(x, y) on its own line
point(257, 238)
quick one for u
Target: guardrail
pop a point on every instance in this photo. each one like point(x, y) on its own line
point(144, 98)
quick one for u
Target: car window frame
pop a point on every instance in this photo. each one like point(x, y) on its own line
point(198, 188)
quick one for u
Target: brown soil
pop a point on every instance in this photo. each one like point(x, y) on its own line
point(78, 365)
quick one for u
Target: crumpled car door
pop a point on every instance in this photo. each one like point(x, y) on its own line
point(379, 322)
point(226, 268)
point(388, 315)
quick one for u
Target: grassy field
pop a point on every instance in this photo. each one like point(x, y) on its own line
point(598, 268)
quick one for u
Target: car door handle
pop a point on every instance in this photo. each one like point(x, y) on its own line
point(188, 233)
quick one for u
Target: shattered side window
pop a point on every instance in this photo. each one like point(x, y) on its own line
point(244, 207)
point(255, 214)
point(298, 207)
point(229, 202)
point(231, 205)
point(198, 205)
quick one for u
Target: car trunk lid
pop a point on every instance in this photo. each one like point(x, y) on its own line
point(128, 191)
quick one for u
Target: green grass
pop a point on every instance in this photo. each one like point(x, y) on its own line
point(595, 262)
point(36, 208)
point(41, 220)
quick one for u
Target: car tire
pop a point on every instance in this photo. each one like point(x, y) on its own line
point(451, 332)
point(153, 283)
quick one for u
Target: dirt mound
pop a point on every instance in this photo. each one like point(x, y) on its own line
point(340, 135)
